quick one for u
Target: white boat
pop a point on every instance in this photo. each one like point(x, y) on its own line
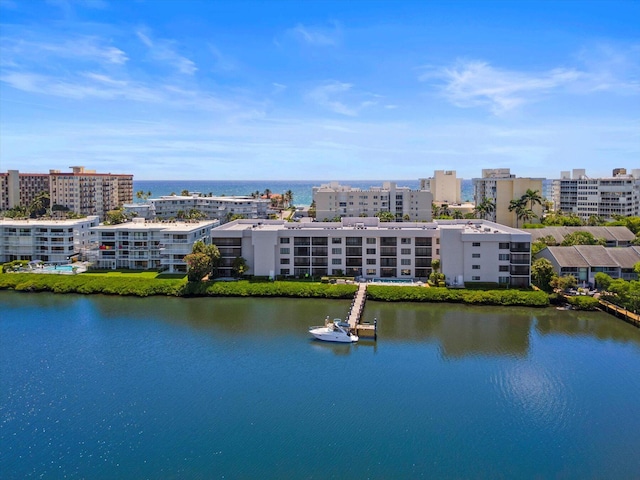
point(336, 331)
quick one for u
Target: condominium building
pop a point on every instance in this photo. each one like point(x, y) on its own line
point(89, 193)
point(481, 251)
point(444, 186)
point(21, 188)
point(51, 241)
point(81, 191)
point(605, 197)
point(335, 200)
point(143, 245)
point(500, 186)
point(213, 208)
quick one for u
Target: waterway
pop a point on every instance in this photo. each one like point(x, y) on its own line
point(110, 387)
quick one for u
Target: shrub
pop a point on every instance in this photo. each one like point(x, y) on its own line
point(582, 302)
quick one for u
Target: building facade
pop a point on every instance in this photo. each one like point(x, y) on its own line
point(89, 193)
point(142, 245)
point(604, 197)
point(213, 208)
point(481, 251)
point(51, 241)
point(334, 200)
point(21, 188)
point(584, 261)
point(444, 186)
point(501, 187)
point(82, 191)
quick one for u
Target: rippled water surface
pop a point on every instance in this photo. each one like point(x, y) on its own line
point(108, 387)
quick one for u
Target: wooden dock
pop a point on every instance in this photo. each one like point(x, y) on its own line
point(626, 315)
point(364, 330)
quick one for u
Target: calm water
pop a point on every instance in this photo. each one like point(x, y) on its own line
point(108, 387)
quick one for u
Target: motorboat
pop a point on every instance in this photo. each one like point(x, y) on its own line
point(336, 331)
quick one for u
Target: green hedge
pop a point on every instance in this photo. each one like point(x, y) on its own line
point(477, 297)
point(583, 302)
point(142, 287)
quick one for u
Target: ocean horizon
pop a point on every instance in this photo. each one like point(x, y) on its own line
point(302, 189)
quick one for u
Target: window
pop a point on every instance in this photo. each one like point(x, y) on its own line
point(475, 244)
point(371, 261)
point(405, 261)
point(285, 251)
point(285, 240)
point(371, 271)
point(371, 241)
point(336, 261)
point(405, 251)
point(405, 241)
point(503, 245)
point(503, 268)
point(475, 267)
point(284, 271)
point(285, 261)
point(336, 240)
point(475, 255)
point(503, 256)
point(475, 279)
point(503, 279)
point(405, 272)
point(336, 251)
point(371, 251)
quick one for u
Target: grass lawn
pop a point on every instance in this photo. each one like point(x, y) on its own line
point(135, 274)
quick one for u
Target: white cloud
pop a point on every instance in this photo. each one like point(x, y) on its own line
point(316, 36)
point(339, 97)
point(476, 83)
point(164, 51)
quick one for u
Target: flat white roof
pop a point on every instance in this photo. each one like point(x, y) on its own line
point(36, 222)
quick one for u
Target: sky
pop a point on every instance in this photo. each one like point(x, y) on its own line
point(306, 90)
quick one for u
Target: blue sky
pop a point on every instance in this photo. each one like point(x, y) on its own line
point(241, 90)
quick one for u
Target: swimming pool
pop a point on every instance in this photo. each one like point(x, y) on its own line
point(58, 268)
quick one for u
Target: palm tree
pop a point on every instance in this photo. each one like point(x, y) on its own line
point(533, 197)
point(485, 207)
point(457, 214)
point(288, 197)
point(267, 193)
point(519, 206)
point(444, 210)
point(435, 210)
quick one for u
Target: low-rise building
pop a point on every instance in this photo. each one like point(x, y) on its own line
point(478, 251)
point(50, 241)
point(213, 208)
point(334, 200)
point(613, 236)
point(143, 245)
point(584, 261)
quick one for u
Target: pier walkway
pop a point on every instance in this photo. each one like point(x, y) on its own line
point(630, 317)
point(355, 314)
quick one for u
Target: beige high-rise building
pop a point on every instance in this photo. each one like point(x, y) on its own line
point(444, 186)
point(82, 191)
point(90, 193)
point(501, 187)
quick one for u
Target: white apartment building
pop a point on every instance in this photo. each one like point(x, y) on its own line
point(21, 188)
point(51, 241)
point(143, 245)
point(213, 208)
point(481, 251)
point(335, 200)
point(444, 186)
point(500, 186)
point(89, 193)
point(608, 196)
